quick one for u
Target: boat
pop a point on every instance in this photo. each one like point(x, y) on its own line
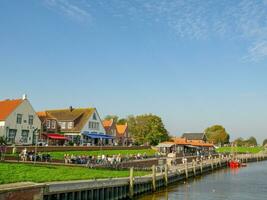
point(234, 164)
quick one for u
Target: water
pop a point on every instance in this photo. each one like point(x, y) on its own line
point(248, 183)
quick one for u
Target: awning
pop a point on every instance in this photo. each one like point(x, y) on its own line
point(95, 135)
point(56, 136)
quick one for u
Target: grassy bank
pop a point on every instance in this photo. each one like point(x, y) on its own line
point(12, 173)
point(60, 155)
point(239, 149)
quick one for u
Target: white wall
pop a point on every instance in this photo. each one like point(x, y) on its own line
point(101, 128)
point(25, 109)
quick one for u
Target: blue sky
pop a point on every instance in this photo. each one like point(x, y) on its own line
point(194, 63)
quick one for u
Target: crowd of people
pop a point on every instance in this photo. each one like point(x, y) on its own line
point(32, 156)
point(111, 160)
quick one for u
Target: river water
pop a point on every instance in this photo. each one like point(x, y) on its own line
point(247, 183)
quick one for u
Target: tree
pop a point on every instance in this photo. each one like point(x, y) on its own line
point(114, 117)
point(264, 142)
point(122, 121)
point(239, 142)
point(147, 129)
point(251, 141)
point(3, 144)
point(217, 135)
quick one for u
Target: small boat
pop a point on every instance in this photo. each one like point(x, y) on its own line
point(234, 164)
point(243, 164)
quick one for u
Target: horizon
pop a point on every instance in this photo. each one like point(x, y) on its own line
point(193, 63)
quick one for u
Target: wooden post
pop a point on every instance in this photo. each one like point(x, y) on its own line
point(131, 182)
point(201, 166)
point(166, 175)
point(186, 170)
point(154, 178)
point(220, 161)
point(194, 167)
point(212, 163)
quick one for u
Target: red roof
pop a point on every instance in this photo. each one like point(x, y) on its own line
point(107, 123)
point(7, 107)
point(56, 136)
point(121, 129)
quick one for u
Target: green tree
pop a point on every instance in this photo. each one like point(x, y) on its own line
point(114, 117)
point(239, 142)
point(122, 121)
point(147, 129)
point(217, 135)
point(264, 142)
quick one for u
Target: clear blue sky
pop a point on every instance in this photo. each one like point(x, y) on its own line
point(194, 63)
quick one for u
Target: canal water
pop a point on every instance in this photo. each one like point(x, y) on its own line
point(247, 183)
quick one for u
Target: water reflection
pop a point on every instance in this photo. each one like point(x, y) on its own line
point(247, 183)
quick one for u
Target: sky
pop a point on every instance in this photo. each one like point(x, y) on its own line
point(195, 63)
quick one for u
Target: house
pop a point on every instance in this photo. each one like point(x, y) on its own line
point(19, 123)
point(81, 125)
point(195, 137)
point(50, 130)
point(110, 127)
point(122, 134)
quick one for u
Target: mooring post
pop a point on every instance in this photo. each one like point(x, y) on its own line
point(166, 175)
point(220, 161)
point(154, 178)
point(201, 166)
point(186, 170)
point(131, 191)
point(212, 163)
point(194, 167)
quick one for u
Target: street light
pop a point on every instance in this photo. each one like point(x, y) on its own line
point(36, 132)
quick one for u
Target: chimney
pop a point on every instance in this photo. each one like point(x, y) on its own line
point(71, 108)
point(24, 96)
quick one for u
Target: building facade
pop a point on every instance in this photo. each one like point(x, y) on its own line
point(19, 123)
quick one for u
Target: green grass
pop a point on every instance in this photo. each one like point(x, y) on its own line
point(240, 149)
point(18, 172)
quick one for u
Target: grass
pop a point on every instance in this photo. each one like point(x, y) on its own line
point(19, 172)
point(59, 155)
point(240, 149)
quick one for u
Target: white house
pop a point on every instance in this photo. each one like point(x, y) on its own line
point(18, 121)
point(81, 125)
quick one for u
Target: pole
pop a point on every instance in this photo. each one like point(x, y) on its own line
point(131, 182)
point(36, 141)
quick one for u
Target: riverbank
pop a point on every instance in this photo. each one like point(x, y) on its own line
point(125, 188)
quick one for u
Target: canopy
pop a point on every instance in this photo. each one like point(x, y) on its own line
point(95, 135)
point(56, 136)
point(193, 147)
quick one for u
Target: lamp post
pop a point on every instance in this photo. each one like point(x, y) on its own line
point(35, 132)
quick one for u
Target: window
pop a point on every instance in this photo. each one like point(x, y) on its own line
point(94, 125)
point(11, 136)
point(70, 125)
point(19, 118)
point(63, 125)
point(53, 124)
point(94, 117)
point(48, 123)
point(30, 119)
point(24, 136)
